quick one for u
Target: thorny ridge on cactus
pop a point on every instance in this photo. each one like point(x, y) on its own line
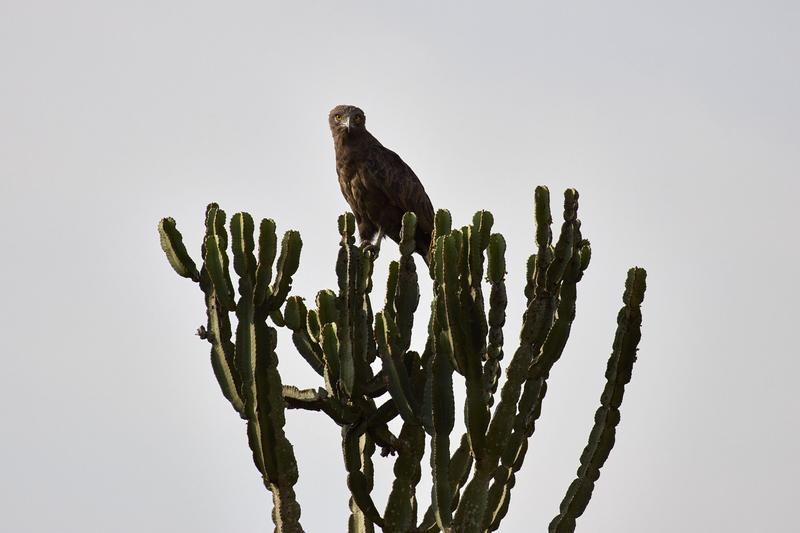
point(370, 374)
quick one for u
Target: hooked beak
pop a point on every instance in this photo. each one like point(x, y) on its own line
point(346, 124)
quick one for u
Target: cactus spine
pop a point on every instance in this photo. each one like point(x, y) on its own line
point(340, 338)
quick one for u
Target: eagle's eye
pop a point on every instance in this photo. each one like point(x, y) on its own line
point(337, 118)
point(357, 119)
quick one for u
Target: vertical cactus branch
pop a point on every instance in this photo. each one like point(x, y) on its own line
point(497, 314)
point(443, 419)
point(535, 387)
point(359, 522)
point(401, 507)
point(606, 419)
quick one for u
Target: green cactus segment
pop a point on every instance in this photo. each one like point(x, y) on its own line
point(406, 298)
point(443, 419)
point(529, 407)
point(295, 318)
point(267, 248)
point(466, 322)
point(359, 475)
point(280, 467)
point(586, 254)
point(242, 244)
point(498, 301)
point(172, 244)
point(285, 510)
point(535, 326)
point(497, 258)
point(472, 507)
point(295, 313)
point(288, 262)
point(313, 325)
point(391, 287)
point(359, 522)
point(330, 349)
point(216, 257)
point(400, 511)
point(388, 340)
point(222, 353)
point(459, 468)
point(326, 307)
point(352, 315)
point(408, 233)
point(607, 417)
point(442, 224)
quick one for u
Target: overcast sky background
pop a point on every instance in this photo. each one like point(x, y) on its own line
point(678, 122)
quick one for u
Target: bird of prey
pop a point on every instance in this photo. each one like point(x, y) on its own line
point(379, 186)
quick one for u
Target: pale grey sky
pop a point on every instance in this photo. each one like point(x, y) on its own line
point(678, 122)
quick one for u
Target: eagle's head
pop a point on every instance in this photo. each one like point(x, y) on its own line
point(347, 120)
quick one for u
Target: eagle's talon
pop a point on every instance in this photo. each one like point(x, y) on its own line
point(371, 249)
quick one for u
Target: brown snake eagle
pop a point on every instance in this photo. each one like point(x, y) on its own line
point(378, 185)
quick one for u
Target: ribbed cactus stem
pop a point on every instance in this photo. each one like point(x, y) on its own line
point(406, 296)
point(295, 318)
point(443, 419)
point(388, 339)
point(267, 249)
point(497, 314)
point(607, 417)
point(222, 352)
point(359, 475)
point(536, 324)
point(359, 522)
point(529, 406)
point(216, 257)
point(400, 511)
point(287, 265)
point(172, 244)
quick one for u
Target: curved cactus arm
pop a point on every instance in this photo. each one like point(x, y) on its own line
point(288, 261)
point(222, 353)
point(359, 479)
point(607, 417)
point(295, 318)
point(400, 511)
point(396, 373)
point(267, 248)
point(172, 244)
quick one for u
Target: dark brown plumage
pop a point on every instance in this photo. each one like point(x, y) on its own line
point(379, 186)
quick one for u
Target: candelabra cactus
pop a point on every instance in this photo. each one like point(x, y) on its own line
point(341, 339)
